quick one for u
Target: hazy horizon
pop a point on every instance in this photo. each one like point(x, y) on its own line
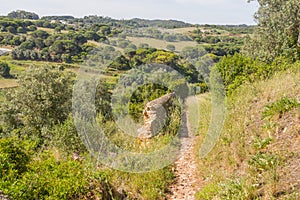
point(190, 11)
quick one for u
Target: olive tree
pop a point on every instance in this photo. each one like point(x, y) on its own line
point(277, 32)
point(42, 99)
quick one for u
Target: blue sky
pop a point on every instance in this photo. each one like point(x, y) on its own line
point(194, 11)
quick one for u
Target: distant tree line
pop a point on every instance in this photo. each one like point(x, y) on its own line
point(34, 43)
point(21, 14)
point(156, 34)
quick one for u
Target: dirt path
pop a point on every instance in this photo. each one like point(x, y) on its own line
point(4, 51)
point(186, 182)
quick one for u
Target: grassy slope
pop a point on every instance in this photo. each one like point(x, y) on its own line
point(17, 67)
point(255, 158)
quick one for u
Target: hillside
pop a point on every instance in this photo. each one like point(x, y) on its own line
point(145, 109)
point(257, 155)
point(68, 41)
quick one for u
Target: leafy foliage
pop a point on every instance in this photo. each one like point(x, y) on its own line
point(4, 70)
point(42, 99)
point(13, 158)
point(66, 138)
point(147, 56)
point(146, 186)
point(47, 177)
point(280, 107)
point(238, 69)
point(277, 33)
point(21, 14)
point(142, 96)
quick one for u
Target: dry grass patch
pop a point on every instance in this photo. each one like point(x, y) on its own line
point(161, 44)
point(8, 83)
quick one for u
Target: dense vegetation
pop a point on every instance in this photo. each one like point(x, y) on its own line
point(42, 155)
point(256, 151)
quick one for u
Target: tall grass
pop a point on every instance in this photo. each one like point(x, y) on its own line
point(248, 160)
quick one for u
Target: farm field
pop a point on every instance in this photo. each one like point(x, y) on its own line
point(161, 44)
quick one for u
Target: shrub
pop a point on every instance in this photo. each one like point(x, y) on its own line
point(42, 100)
point(13, 159)
point(152, 185)
point(50, 179)
point(235, 70)
point(238, 69)
point(171, 47)
point(142, 96)
point(65, 137)
point(280, 107)
point(4, 70)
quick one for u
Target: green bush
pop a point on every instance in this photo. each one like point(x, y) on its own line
point(66, 138)
point(237, 189)
point(13, 159)
point(208, 191)
point(4, 70)
point(143, 95)
point(50, 179)
point(42, 100)
point(147, 186)
point(238, 69)
point(280, 107)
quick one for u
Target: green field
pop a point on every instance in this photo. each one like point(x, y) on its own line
point(161, 44)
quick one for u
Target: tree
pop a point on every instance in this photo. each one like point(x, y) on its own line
point(31, 28)
point(171, 47)
point(169, 37)
point(78, 38)
point(4, 70)
point(131, 46)
point(16, 41)
point(40, 34)
point(46, 24)
point(193, 53)
point(104, 30)
point(58, 29)
point(21, 29)
point(144, 45)
point(42, 99)
point(65, 137)
point(39, 43)
point(21, 14)
point(11, 29)
point(278, 30)
point(91, 35)
point(65, 47)
point(123, 44)
point(27, 45)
